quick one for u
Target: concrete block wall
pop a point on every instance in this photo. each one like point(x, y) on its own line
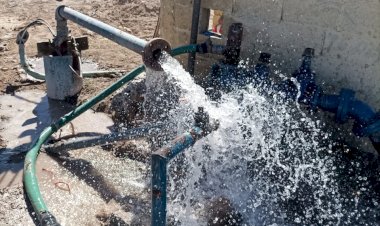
point(344, 33)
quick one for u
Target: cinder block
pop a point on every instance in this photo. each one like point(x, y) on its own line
point(348, 45)
point(167, 19)
point(285, 41)
point(262, 10)
point(181, 37)
point(360, 17)
point(188, 3)
point(225, 5)
point(314, 12)
point(182, 16)
point(350, 61)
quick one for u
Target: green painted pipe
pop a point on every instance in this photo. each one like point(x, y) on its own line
point(185, 49)
point(30, 179)
point(24, 64)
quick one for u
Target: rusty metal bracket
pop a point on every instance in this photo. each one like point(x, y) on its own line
point(48, 48)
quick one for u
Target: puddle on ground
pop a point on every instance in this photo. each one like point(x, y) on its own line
point(24, 116)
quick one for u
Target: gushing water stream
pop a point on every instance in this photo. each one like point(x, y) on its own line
point(268, 163)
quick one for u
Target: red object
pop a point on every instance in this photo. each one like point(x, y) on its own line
point(215, 28)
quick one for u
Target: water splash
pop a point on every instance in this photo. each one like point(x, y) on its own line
point(271, 161)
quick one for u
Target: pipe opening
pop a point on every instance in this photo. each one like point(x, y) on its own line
point(152, 52)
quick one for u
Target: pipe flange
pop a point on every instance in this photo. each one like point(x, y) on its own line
point(346, 97)
point(152, 52)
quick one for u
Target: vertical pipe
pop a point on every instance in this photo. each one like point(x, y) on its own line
point(160, 160)
point(233, 46)
point(159, 174)
point(194, 34)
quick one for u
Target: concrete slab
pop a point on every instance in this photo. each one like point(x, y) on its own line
point(24, 116)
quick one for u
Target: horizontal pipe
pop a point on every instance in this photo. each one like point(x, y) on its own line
point(329, 103)
point(150, 51)
point(185, 49)
point(83, 142)
point(361, 112)
point(180, 144)
point(344, 105)
point(122, 38)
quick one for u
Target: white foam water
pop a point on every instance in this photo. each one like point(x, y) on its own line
point(270, 160)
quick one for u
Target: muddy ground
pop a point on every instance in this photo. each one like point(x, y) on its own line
point(138, 17)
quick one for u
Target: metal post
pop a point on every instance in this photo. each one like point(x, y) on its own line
point(159, 174)
point(194, 34)
point(234, 39)
point(160, 160)
point(150, 51)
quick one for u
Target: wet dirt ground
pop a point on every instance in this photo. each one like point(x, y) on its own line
point(60, 181)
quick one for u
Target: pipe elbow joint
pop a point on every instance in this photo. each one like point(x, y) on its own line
point(58, 15)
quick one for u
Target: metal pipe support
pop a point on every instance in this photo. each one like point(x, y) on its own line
point(160, 160)
point(194, 34)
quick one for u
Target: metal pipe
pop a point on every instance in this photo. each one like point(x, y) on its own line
point(194, 34)
point(233, 46)
point(159, 184)
point(122, 38)
point(160, 160)
point(83, 142)
point(150, 51)
point(24, 64)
